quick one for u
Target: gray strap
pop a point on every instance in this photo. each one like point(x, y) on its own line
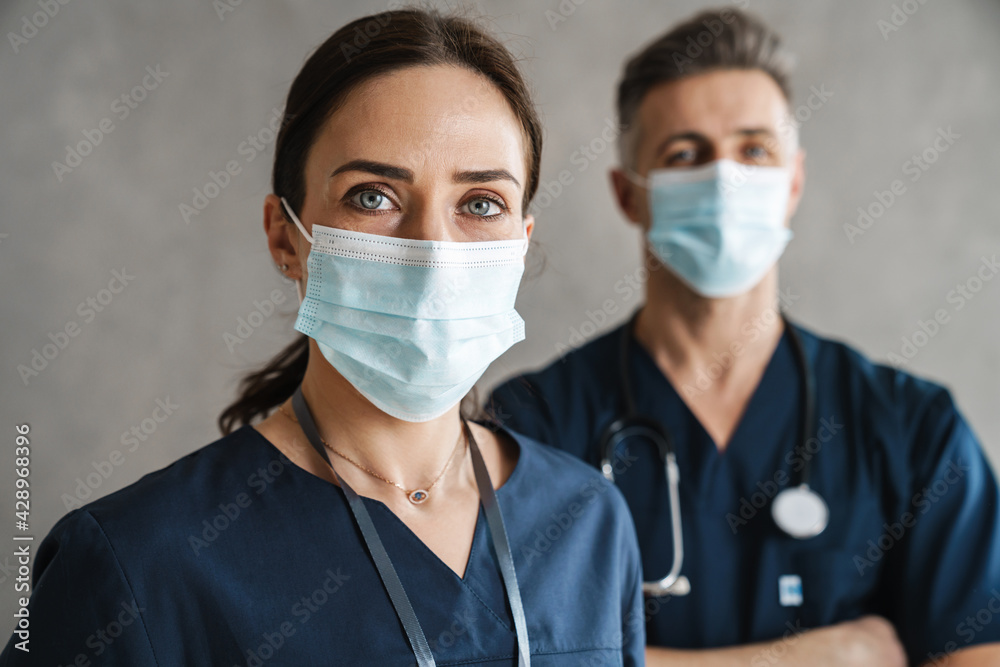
point(404, 610)
point(499, 532)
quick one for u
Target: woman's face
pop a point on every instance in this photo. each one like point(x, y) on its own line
point(429, 153)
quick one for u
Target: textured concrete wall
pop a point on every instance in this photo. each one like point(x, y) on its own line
point(66, 234)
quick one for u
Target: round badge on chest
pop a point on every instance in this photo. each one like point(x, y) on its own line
point(800, 512)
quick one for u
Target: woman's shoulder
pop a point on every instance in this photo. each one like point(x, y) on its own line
point(211, 469)
point(222, 476)
point(126, 554)
point(547, 473)
point(569, 523)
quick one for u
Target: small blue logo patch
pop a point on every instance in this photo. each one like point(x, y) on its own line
point(790, 590)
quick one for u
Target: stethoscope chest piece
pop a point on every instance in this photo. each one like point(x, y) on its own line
point(800, 512)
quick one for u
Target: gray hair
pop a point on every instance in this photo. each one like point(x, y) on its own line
point(711, 40)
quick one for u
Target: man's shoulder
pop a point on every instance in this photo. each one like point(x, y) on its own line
point(880, 384)
point(912, 419)
point(562, 403)
point(591, 365)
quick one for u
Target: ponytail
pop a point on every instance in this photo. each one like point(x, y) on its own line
point(264, 389)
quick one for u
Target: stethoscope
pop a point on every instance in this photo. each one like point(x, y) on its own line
point(797, 510)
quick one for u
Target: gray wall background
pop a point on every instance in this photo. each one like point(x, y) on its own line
point(162, 336)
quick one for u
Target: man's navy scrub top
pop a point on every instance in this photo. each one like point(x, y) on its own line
point(914, 529)
point(233, 555)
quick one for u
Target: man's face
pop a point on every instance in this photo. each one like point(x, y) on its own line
point(741, 115)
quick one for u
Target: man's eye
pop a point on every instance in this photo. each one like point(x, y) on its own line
point(483, 207)
point(371, 200)
point(684, 155)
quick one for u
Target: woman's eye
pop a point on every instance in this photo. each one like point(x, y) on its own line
point(757, 152)
point(483, 207)
point(372, 200)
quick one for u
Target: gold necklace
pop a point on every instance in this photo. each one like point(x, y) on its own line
point(415, 496)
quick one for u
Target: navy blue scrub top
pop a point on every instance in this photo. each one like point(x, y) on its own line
point(233, 555)
point(914, 532)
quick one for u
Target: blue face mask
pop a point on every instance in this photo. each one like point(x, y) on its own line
point(411, 324)
point(720, 227)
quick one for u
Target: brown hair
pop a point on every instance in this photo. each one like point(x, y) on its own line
point(711, 40)
point(363, 49)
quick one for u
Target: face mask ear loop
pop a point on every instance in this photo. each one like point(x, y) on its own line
point(638, 179)
point(298, 223)
point(298, 290)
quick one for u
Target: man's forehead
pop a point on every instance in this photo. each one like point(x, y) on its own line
point(719, 103)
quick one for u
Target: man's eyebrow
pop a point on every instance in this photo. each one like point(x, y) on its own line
point(378, 168)
point(484, 176)
point(750, 131)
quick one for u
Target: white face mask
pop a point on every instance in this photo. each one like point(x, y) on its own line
point(411, 324)
point(719, 227)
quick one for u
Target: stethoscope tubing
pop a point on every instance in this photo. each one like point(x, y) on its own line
point(633, 424)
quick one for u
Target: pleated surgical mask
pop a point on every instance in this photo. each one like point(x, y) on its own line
point(719, 227)
point(412, 325)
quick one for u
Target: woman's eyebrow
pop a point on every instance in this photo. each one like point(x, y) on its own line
point(484, 176)
point(402, 174)
point(377, 168)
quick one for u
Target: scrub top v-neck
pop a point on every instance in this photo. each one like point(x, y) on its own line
point(889, 447)
point(233, 555)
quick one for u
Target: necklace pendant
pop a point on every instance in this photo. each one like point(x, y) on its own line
point(418, 496)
